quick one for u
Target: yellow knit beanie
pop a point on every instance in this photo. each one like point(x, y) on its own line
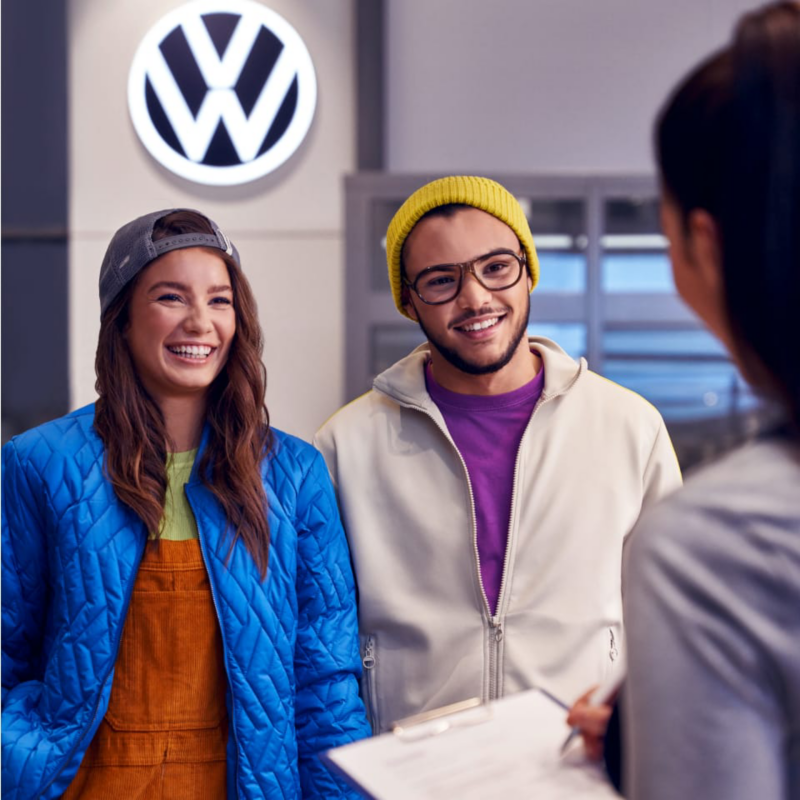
point(482, 193)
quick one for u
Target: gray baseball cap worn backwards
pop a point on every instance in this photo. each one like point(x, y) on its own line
point(132, 248)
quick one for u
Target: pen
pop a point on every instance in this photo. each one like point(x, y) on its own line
point(600, 696)
point(554, 699)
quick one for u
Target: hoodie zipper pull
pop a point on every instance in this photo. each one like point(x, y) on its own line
point(498, 631)
point(369, 655)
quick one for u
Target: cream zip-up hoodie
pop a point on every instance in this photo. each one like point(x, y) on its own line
point(592, 456)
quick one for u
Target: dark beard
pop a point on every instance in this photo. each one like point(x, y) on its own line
point(469, 367)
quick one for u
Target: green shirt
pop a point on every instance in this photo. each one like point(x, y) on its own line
point(178, 522)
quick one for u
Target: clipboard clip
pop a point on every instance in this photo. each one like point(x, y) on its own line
point(439, 720)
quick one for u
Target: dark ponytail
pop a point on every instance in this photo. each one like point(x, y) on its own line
point(728, 142)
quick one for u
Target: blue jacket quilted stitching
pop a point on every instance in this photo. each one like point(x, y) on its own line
point(70, 553)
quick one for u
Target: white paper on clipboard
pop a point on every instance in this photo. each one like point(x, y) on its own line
point(507, 749)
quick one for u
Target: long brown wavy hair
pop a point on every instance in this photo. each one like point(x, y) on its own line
point(131, 425)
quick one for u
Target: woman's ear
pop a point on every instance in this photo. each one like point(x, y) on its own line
point(705, 249)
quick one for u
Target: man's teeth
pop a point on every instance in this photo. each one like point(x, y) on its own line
point(191, 350)
point(479, 326)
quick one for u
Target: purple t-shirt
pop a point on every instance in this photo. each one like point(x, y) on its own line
point(487, 431)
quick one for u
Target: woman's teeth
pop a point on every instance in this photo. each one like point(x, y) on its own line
point(191, 351)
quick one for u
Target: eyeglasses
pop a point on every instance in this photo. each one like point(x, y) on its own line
point(498, 270)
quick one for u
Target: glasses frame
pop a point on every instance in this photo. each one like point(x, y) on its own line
point(465, 267)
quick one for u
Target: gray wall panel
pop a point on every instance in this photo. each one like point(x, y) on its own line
point(34, 214)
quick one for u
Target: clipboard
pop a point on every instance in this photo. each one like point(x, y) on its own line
point(441, 720)
point(506, 749)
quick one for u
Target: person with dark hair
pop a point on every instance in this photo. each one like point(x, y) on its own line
point(488, 481)
point(178, 611)
point(712, 574)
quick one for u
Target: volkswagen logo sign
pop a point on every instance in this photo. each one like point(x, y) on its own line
point(222, 92)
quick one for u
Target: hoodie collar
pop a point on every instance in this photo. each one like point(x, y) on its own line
point(404, 381)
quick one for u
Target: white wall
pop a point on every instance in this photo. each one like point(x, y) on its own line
point(288, 226)
point(538, 85)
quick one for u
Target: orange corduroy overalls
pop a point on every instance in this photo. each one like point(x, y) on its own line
point(165, 732)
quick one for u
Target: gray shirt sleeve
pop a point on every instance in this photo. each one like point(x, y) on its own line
point(712, 614)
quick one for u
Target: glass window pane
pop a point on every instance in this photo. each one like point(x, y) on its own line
point(634, 256)
point(662, 343)
point(561, 272)
point(559, 233)
point(564, 218)
point(683, 390)
point(632, 215)
point(637, 272)
point(570, 336)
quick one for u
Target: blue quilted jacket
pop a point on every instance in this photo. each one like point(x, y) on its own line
point(70, 553)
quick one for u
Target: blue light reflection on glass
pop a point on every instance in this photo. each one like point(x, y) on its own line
point(685, 389)
point(570, 336)
point(637, 272)
point(697, 342)
point(561, 272)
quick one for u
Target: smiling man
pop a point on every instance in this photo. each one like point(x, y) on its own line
point(488, 481)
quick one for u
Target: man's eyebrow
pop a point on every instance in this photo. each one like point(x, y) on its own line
point(496, 252)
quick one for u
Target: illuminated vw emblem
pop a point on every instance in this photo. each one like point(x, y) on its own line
point(222, 91)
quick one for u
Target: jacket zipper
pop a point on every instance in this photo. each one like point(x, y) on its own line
point(117, 643)
point(495, 623)
point(370, 688)
point(613, 650)
point(497, 635)
point(232, 726)
point(495, 640)
point(496, 632)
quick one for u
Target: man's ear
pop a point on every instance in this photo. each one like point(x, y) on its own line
point(705, 248)
point(408, 303)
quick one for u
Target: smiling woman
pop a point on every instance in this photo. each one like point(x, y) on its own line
point(178, 607)
point(181, 325)
point(153, 400)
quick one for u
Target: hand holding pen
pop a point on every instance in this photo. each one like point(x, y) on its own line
point(589, 714)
